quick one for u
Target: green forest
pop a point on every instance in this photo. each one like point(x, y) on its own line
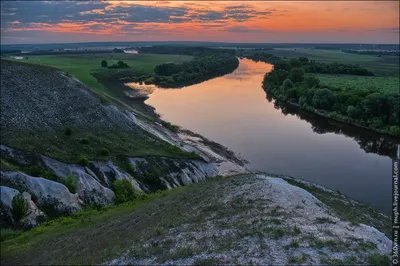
point(292, 81)
point(311, 66)
point(207, 63)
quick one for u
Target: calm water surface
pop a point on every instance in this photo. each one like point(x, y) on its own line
point(233, 110)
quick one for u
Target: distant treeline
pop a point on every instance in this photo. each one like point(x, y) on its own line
point(327, 48)
point(263, 57)
point(184, 50)
point(310, 66)
point(368, 107)
point(10, 51)
point(263, 49)
point(379, 53)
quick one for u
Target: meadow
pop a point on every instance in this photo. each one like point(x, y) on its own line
point(381, 66)
point(82, 66)
point(348, 82)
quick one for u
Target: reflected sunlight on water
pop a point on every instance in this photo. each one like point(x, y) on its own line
point(233, 110)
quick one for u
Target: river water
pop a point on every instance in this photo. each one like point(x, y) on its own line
point(234, 110)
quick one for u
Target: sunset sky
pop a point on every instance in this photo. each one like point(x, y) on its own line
point(225, 21)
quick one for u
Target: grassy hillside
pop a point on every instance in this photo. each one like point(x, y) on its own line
point(252, 220)
point(47, 112)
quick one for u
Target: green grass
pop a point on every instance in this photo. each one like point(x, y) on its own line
point(8, 233)
point(79, 227)
point(149, 227)
point(81, 66)
point(381, 66)
point(386, 84)
point(66, 148)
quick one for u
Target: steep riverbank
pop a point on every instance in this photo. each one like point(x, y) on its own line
point(66, 151)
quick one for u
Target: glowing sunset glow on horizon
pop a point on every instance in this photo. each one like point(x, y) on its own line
point(269, 21)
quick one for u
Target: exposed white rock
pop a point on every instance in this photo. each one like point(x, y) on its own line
point(262, 220)
point(88, 188)
point(190, 143)
point(224, 165)
point(106, 170)
point(178, 172)
point(47, 191)
point(7, 194)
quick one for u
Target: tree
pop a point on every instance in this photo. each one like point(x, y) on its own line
point(311, 81)
point(104, 63)
point(323, 98)
point(296, 74)
point(303, 60)
point(19, 207)
point(274, 78)
point(286, 85)
point(284, 65)
point(295, 62)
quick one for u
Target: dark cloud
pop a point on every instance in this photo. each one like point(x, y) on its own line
point(44, 12)
point(52, 12)
point(141, 13)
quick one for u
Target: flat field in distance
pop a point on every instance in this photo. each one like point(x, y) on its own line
point(381, 66)
point(81, 66)
point(348, 82)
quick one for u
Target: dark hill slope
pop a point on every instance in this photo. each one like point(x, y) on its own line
point(39, 97)
point(45, 111)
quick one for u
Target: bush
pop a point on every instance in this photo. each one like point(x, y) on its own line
point(170, 126)
point(84, 140)
point(123, 191)
point(19, 207)
point(68, 131)
point(38, 171)
point(70, 182)
point(83, 160)
point(173, 148)
point(104, 152)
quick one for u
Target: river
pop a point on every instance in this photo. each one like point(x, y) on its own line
point(233, 110)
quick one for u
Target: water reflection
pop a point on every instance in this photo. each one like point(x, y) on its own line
point(370, 142)
point(139, 88)
point(276, 138)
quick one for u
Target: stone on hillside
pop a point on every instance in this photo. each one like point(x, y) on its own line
point(7, 194)
point(88, 188)
point(50, 194)
point(33, 215)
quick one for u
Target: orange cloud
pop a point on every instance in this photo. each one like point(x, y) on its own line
point(224, 21)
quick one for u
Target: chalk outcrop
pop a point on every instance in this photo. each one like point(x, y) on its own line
point(260, 220)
